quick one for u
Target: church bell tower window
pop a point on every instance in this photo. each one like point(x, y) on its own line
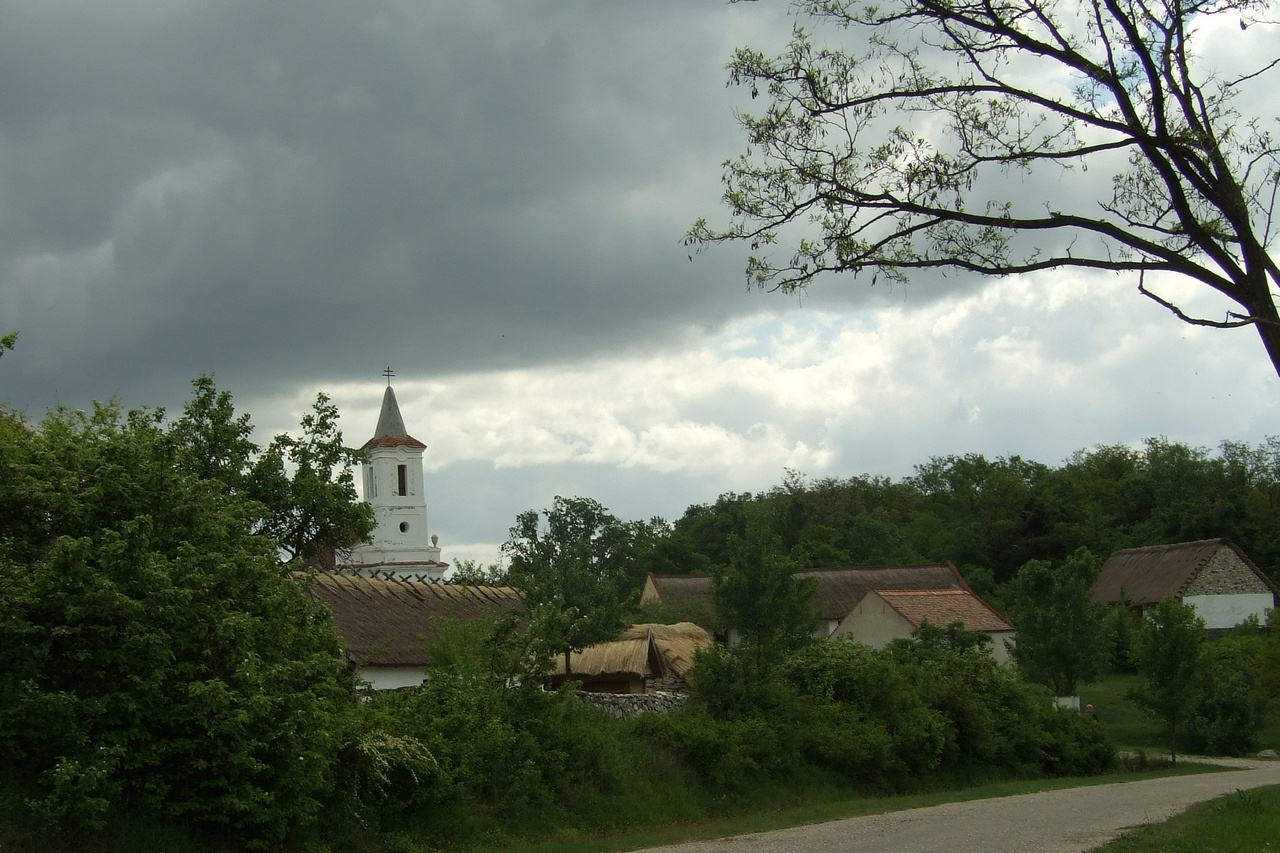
point(402, 479)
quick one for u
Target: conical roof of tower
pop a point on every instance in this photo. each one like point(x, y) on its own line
point(391, 431)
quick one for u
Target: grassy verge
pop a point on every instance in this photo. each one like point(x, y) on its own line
point(817, 810)
point(1131, 729)
point(1239, 822)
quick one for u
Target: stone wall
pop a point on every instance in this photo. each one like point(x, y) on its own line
point(1225, 574)
point(624, 706)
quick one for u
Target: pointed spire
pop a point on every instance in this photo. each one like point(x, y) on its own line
point(390, 422)
point(391, 431)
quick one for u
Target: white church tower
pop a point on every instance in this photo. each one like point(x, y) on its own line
point(394, 487)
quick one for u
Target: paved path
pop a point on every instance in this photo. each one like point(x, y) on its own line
point(1066, 821)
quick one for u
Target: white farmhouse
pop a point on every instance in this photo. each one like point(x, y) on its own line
point(1211, 575)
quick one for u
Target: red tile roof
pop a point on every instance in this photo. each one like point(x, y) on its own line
point(941, 607)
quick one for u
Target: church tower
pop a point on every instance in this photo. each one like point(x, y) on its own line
point(395, 488)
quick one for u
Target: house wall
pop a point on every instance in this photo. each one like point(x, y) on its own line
point(1002, 644)
point(391, 677)
point(1227, 611)
point(1225, 574)
point(874, 622)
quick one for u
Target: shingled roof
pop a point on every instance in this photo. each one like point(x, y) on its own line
point(838, 589)
point(941, 607)
point(387, 622)
point(1151, 574)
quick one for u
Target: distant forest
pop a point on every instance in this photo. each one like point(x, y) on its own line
point(990, 516)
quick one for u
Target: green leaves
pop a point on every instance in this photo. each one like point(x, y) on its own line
point(570, 569)
point(153, 655)
point(1060, 637)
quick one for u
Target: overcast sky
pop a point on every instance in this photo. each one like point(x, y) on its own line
point(489, 197)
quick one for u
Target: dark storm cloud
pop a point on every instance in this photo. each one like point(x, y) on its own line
point(303, 192)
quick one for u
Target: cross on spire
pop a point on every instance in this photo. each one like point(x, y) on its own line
point(388, 372)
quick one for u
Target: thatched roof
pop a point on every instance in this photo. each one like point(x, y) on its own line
point(941, 607)
point(668, 649)
point(1151, 574)
point(838, 589)
point(386, 622)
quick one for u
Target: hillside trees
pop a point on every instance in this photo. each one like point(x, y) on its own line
point(154, 656)
point(990, 516)
point(907, 145)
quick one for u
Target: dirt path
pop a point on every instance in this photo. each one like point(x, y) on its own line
point(1067, 821)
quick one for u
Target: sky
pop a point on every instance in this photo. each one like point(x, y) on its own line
point(490, 198)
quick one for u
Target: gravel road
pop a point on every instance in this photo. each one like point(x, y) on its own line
point(1067, 821)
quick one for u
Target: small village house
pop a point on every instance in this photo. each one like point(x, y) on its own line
point(1214, 576)
point(387, 625)
point(837, 592)
point(884, 615)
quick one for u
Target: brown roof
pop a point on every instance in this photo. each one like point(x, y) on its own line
point(673, 648)
point(1152, 574)
point(386, 622)
point(944, 606)
point(838, 590)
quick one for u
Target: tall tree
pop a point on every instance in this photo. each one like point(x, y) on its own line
point(308, 488)
point(1059, 628)
point(988, 94)
point(568, 562)
point(766, 609)
point(1168, 656)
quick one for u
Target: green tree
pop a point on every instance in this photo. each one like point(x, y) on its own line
point(307, 486)
point(1167, 651)
point(154, 658)
point(568, 562)
point(304, 486)
point(8, 342)
point(1060, 639)
point(767, 611)
point(988, 94)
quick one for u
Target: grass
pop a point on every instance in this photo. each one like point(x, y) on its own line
point(818, 811)
point(1131, 729)
point(1239, 822)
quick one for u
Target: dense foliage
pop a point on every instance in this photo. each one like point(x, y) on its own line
point(154, 657)
point(991, 516)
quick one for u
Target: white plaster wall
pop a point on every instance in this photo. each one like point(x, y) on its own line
point(1227, 611)
point(392, 677)
point(1002, 646)
point(873, 622)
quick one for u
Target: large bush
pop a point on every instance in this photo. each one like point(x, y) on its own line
point(154, 657)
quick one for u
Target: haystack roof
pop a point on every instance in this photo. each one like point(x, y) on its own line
point(670, 649)
point(389, 622)
point(1151, 574)
point(941, 607)
point(838, 589)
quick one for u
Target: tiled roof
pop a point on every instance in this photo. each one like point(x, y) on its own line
point(838, 589)
point(941, 607)
point(1151, 574)
point(384, 622)
point(390, 431)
